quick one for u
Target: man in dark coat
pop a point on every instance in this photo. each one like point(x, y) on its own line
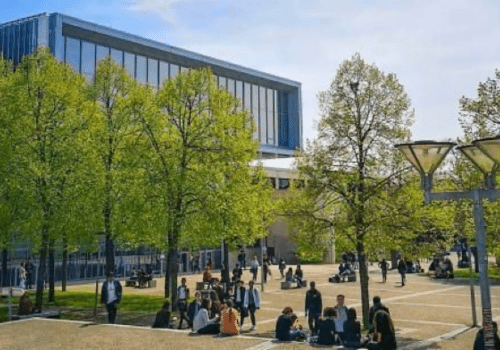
point(111, 295)
point(402, 270)
point(239, 298)
point(377, 305)
point(314, 305)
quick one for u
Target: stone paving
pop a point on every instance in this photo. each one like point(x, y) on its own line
point(424, 311)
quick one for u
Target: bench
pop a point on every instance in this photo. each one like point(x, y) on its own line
point(152, 284)
point(44, 314)
point(16, 292)
point(130, 283)
point(290, 285)
point(203, 285)
point(338, 279)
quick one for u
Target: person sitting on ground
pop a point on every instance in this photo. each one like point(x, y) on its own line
point(229, 319)
point(202, 324)
point(289, 275)
point(299, 275)
point(284, 326)
point(194, 307)
point(163, 317)
point(479, 342)
point(384, 336)
point(215, 304)
point(133, 276)
point(219, 289)
point(25, 305)
point(352, 330)
point(341, 316)
point(326, 327)
point(377, 305)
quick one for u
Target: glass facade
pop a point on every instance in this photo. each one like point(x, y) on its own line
point(239, 94)
point(255, 109)
point(174, 70)
point(117, 56)
point(73, 53)
point(88, 60)
point(141, 69)
point(153, 72)
point(129, 63)
point(262, 115)
point(163, 71)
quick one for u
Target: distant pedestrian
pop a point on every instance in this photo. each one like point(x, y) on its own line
point(251, 303)
point(28, 266)
point(282, 267)
point(254, 267)
point(266, 268)
point(182, 297)
point(22, 276)
point(402, 270)
point(383, 266)
point(313, 307)
point(111, 295)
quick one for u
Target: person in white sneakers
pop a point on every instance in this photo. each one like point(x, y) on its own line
point(251, 303)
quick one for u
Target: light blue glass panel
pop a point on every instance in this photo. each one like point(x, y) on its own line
point(129, 63)
point(184, 70)
point(223, 82)
point(101, 53)
point(88, 60)
point(262, 115)
point(270, 117)
point(255, 109)
point(230, 86)
point(163, 71)
point(275, 117)
point(73, 53)
point(117, 56)
point(239, 94)
point(174, 70)
point(153, 72)
point(247, 101)
point(141, 69)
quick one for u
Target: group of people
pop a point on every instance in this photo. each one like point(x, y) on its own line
point(337, 325)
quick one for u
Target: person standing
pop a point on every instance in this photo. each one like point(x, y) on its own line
point(182, 296)
point(239, 298)
point(282, 267)
point(22, 276)
point(254, 267)
point(111, 295)
point(237, 272)
point(383, 267)
point(28, 266)
point(402, 270)
point(266, 268)
point(341, 310)
point(251, 303)
point(314, 305)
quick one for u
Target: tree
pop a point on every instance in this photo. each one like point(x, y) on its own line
point(196, 149)
point(351, 163)
point(48, 110)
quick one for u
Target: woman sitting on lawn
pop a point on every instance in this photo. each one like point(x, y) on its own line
point(229, 319)
point(163, 317)
point(25, 305)
point(202, 324)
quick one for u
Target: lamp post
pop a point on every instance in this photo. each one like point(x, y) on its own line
point(426, 156)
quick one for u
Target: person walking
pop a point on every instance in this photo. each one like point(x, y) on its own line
point(282, 267)
point(251, 303)
point(28, 266)
point(383, 266)
point(314, 305)
point(254, 267)
point(402, 270)
point(22, 276)
point(341, 310)
point(111, 296)
point(182, 296)
point(266, 268)
point(239, 298)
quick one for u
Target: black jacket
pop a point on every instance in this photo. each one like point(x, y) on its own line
point(373, 311)
point(314, 303)
point(104, 292)
point(283, 326)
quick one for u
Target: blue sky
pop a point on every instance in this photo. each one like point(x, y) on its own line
point(439, 49)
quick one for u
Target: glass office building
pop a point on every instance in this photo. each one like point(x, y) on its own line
point(274, 102)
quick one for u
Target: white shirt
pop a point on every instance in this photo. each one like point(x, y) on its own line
point(182, 292)
point(341, 318)
point(238, 295)
point(201, 320)
point(111, 292)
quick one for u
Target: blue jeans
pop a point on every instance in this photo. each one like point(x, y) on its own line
point(294, 335)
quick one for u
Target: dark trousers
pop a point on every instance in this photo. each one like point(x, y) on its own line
point(403, 278)
point(255, 271)
point(111, 312)
point(28, 281)
point(182, 312)
point(213, 328)
point(384, 275)
point(313, 320)
point(251, 311)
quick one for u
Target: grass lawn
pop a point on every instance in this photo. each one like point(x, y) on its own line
point(80, 305)
point(493, 273)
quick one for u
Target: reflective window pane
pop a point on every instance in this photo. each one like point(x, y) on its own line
point(88, 60)
point(141, 69)
point(174, 70)
point(117, 56)
point(255, 109)
point(275, 117)
point(230, 86)
point(239, 94)
point(184, 70)
point(129, 64)
point(262, 115)
point(101, 53)
point(223, 82)
point(152, 72)
point(284, 184)
point(270, 117)
point(247, 101)
point(163, 71)
point(73, 53)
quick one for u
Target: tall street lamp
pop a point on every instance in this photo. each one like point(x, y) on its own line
point(426, 156)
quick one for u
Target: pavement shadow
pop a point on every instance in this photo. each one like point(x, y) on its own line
point(461, 282)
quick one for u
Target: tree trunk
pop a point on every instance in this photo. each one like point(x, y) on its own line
point(363, 278)
point(41, 271)
point(172, 269)
point(109, 251)
point(51, 273)
point(4, 268)
point(64, 263)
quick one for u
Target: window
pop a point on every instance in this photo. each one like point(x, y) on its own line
point(247, 101)
point(239, 94)
point(153, 72)
point(101, 53)
point(255, 109)
point(230, 86)
point(270, 117)
point(262, 115)
point(141, 69)
point(163, 72)
point(129, 63)
point(223, 82)
point(88, 60)
point(73, 53)
point(284, 184)
point(272, 181)
point(174, 70)
point(184, 70)
point(117, 56)
point(275, 117)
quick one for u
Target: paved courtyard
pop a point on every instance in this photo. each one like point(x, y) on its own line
point(424, 312)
